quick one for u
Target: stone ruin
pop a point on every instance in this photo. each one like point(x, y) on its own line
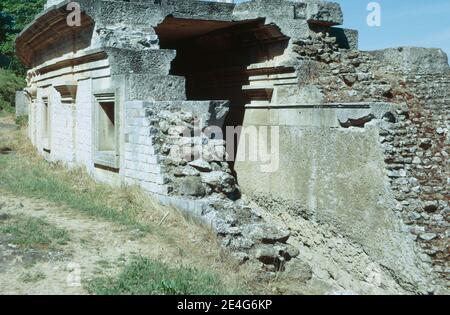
point(354, 195)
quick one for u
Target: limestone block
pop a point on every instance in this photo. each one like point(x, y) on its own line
point(141, 149)
point(308, 94)
point(153, 61)
point(298, 270)
point(324, 13)
point(138, 14)
point(191, 186)
point(200, 9)
point(266, 234)
point(156, 87)
point(144, 167)
point(414, 59)
point(22, 103)
point(155, 188)
point(290, 17)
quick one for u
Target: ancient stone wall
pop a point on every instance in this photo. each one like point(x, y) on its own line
point(141, 161)
point(418, 162)
point(168, 154)
point(366, 111)
point(62, 130)
point(415, 141)
point(83, 118)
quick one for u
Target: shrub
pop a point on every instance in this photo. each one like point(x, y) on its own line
point(9, 84)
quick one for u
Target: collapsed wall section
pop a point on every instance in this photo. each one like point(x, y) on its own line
point(418, 162)
point(416, 146)
point(168, 154)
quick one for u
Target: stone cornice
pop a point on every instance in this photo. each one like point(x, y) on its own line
point(48, 28)
point(79, 58)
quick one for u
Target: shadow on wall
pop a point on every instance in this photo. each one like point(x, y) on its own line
point(214, 57)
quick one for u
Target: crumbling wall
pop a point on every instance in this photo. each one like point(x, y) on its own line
point(140, 158)
point(168, 154)
point(417, 159)
point(414, 141)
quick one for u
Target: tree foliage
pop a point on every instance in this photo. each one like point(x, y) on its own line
point(9, 84)
point(14, 16)
point(5, 23)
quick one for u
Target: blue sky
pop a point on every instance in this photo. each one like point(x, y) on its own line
point(424, 23)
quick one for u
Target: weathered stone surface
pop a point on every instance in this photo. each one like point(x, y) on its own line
point(322, 12)
point(21, 103)
point(201, 165)
point(220, 181)
point(267, 234)
point(414, 59)
point(155, 88)
point(298, 270)
point(427, 236)
point(186, 171)
point(267, 254)
point(288, 251)
point(343, 292)
point(191, 186)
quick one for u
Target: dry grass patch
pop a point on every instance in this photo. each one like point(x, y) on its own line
point(33, 233)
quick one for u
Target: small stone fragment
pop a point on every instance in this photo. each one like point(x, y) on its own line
point(427, 236)
point(191, 186)
point(266, 233)
point(267, 254)
point(297, 269)
point(201, 165)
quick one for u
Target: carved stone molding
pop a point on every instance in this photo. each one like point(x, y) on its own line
point(68, 91)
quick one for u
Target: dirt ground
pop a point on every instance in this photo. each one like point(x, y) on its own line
point(95, 247)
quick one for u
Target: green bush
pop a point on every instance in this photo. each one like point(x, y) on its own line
point(9, 84)
point(14, 16)
point(147, 277)
point(22, 121)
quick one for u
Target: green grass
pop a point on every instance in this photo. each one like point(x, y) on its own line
point(9, 84)
point(21, 121)
point(144, 276)
point(39, 179)
point(32, 277)
point(34, 233)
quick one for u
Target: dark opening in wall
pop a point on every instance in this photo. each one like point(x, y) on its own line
point(107, 127)
point(216, 57)
point(46, 125)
